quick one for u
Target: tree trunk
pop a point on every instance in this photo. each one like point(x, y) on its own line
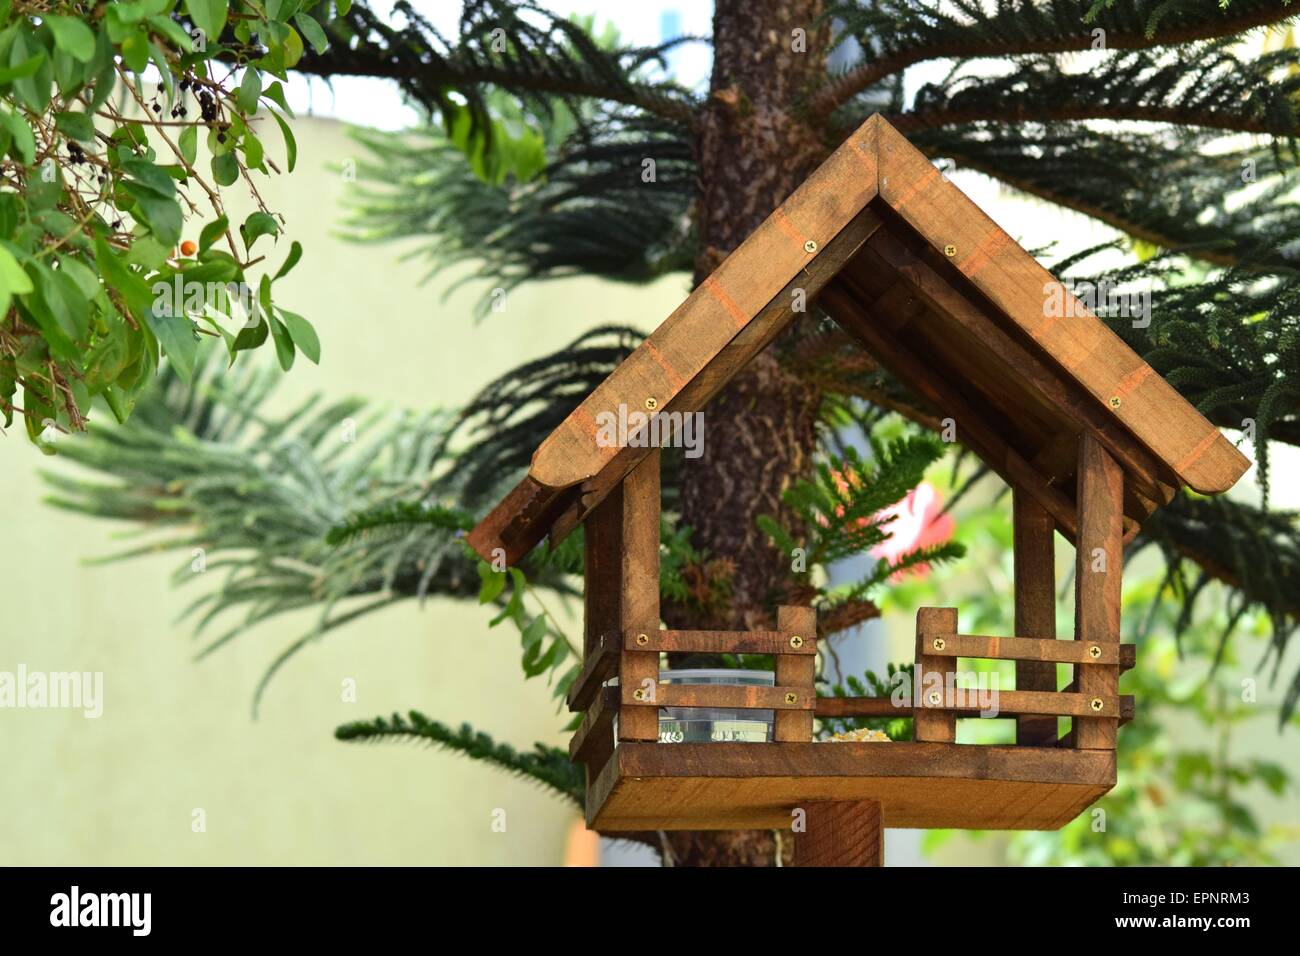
point(754, 149)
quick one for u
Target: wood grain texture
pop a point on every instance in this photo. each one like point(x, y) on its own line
point(1030, 649)
point(721, 642)
point(593, 741)
point(885, 707)
point(933, 722)
point(639, 603)
point(736, 696)
point(755, 786)
point(1081, 344)
point(1098, 584)
point(841, 834)
point(798, 671)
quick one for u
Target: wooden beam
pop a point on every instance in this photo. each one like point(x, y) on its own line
point(933, 722)
point(1034, 549)
point(593, 741)
point(796, 670)
point(721, 642)
point(734, 696)
point(1012, 703)
point(1031, 649)
point(861, 707)
point(841, 834)
point(638, 671)
point(1099, 567)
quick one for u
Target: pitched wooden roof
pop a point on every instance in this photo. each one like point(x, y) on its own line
point(936, 292)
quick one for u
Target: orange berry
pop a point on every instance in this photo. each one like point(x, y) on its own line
point(188, 248)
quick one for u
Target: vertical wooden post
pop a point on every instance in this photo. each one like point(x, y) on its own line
point(1035, 586)
point(796, 670)
point(639, 606)
point(1099, 566)
point(933, 623)
point(840, 834)
point(602, 544)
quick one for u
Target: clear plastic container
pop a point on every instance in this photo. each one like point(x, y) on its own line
point(715, 724)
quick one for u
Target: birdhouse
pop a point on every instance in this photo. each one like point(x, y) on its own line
point(1090, 439)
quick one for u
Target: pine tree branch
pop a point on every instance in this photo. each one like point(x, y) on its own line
point(1017, 31)
point(1067, 112)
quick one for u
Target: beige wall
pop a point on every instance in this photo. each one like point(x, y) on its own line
point(176, 735)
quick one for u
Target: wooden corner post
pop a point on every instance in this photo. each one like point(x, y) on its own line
point(1035, 585)
point(638, 671)
point(840, 834)
point(796, 670)
point(1099, 565)
point(934, 718)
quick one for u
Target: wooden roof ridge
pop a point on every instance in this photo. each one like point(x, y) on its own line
point(750, 298)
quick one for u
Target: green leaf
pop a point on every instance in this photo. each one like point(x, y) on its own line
point(304, 336)
point(292, 49)
point(209, 16)
point(175, 334)
point(20, 70)
point(150, 177)
point(283, 343)
point(72, 36)
point(188, 142)
point(162, 215)
point(212, 232)
point(255, 226)
point(291, 260)
point(250, 90)
point(290, 144)
point(24, 144)
point(75, 126)
point(13, 280)
point(312, 31)
point(492, 583)
point(275, 93)
point(225, 169)
point(342, 6)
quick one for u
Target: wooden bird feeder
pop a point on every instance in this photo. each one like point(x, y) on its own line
point(1088, 436)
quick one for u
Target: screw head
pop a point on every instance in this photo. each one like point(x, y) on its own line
point(940, 643)
point(652, 403)
point(1115, 401)
point(643, 639)
point(1094, 652)
point(796, 641)
point(638, 694)
point(792, 698)
point(934, 698)
point(1097, 704)
point(810, 246)
point(950, 250)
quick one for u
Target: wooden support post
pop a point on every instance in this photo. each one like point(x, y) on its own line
point(1035, 586)
point(796, 670)
point(1099, 565)
point(639, 604)
point(840, 834)
point(931, 676)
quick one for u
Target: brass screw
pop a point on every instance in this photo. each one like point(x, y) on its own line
point(950, 250)
point(1097, 704)
point(940, 643)
point(935, 698)
point(810, 246)
point(792, 698)
point(652, 403)
point(643, 639)
point(638, 694)
point(1094, 652)
point(796, 641)
point(1115, 401)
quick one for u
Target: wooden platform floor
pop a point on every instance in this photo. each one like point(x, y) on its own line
point(646, 786)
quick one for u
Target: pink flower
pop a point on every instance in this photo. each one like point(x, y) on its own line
point(917, 524)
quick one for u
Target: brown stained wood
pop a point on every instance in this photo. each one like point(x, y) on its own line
point(840, 834)
point(846, 308)
point(933, 722)
point(602, 599)
point(1030, 649)
point(1099, 568)
point(1011, 703)
point(701, 327)
point(737, 696)
point(861, 707)
point(1059, 392)
point(731, 786)
point(593, 741)
point(1081, 344)
point(596, 669)
point(639, 605)
point(721, 642)
point(775, 317)
point(796, 670)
